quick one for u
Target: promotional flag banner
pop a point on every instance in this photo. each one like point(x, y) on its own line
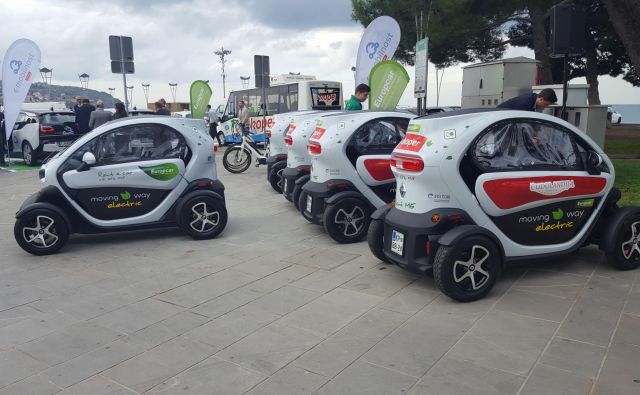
point(379, 42)
point(20, 66)
point(200, 94)
point(388, 81)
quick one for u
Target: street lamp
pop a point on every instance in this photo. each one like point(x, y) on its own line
point(174, 87)
point(130, 93)
point(145, 89)
point(46, 74)
point(84, 80)
point(222, 53)
point(245, 82)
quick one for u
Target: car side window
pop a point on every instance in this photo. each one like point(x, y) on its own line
point(139, 143)
point(526, 144)
point(377, 136)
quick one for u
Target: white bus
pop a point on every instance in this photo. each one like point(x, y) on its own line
point(297, 96)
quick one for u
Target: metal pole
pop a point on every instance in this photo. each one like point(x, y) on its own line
point(565, 88)
point(124, 76)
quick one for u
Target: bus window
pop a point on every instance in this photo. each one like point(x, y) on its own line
point(284, 99)
point(273, 100)
point(293, 97)
point(325, 98)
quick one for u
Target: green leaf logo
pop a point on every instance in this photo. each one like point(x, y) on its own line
point(558, 214)
point(126, 195)
point(163, 172)
point(429, 143)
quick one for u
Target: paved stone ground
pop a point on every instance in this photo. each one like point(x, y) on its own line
point(274, 306)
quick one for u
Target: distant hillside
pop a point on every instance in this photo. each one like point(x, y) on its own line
point(40, 92)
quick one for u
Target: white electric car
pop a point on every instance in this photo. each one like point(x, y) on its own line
point(296, 173)
point(350, 172)
point(132, 173)
point(478, 189)
point(38, 134)
point(277, 160)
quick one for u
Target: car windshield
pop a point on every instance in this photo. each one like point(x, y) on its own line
point(58, 119)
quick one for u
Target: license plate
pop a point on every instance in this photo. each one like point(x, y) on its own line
point(309, 203)
point(64, 143)
point(397, 242)
point(284, 187)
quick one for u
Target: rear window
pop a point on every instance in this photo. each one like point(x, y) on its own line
point(58, 119)
point(325, 98)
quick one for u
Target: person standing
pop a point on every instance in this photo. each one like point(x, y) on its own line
point(160, 110)
point(243, 116)
point(167, 110)
point(213, 123)
point(121, 112)
point(531, 101)
point(99, 116)
point(78, 104)
point(356, 100)
point(83, 115)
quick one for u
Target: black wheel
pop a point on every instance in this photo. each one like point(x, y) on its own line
point(619, 121)
point(28, 154)
point(220, 138)
point(467, 270)
point(302, 205)
point(275, 177)
point(236, 160)
point(347, 220)
point(295, 195)
point(41, 231)
point(625, 253)
point(375, 239)
point(203, 217)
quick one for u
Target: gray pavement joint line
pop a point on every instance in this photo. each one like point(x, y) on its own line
point(580, 341)
point(613, 334)
point(555, 333)
point(24, 304)
point(527, 316)
point(115, 382)
point(469, 329)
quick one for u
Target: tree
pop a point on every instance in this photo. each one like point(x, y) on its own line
point(625, 15)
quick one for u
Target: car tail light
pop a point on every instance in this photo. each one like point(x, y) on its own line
point(215, 147)
point(269, 134)
point(427, 247)
point(288, 140)
point(407, 162)
point(46, 129)
point(314, 148)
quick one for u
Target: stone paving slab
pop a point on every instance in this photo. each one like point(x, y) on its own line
point(275, 306)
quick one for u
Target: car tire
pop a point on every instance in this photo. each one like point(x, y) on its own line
point(302, 205)
point(455, 268)
point(275, 177)
point(233, 160)
point(295, 195)
point(28, 154)
point(619, 121)
point(202, 217)
point(347, 220)
point(41, 231)
point(375, 239)
point(220, 138)
point(625, 252)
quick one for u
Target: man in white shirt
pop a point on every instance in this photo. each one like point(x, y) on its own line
point(243, 116)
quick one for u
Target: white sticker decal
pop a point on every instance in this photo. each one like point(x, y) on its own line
point(450, 134)
point(551, 188)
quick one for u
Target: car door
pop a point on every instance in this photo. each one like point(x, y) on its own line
point(370, 148)
point(136, 168)
point(533, 183)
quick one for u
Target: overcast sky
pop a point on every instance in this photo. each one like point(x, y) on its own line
point(174, 41)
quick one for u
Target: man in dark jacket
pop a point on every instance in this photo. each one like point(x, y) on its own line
point(531, 101)
point(83, 115)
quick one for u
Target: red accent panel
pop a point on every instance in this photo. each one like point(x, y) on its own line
point(292, 127)
point(317, 134)
point(380, 169)
point(513, 192)
point(412, 142)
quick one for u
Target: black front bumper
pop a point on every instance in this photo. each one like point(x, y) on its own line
point(289, 177)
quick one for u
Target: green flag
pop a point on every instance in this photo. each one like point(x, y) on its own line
point(387, 81)
point(200, 95)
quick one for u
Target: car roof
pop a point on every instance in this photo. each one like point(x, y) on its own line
point(43, 112)
point(468, 111)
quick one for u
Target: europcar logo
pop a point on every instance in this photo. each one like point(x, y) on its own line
point(14, 65)
point(552, 188)
point(163, 172)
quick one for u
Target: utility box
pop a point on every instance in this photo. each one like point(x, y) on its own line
point(489, 84)
point(590, 119)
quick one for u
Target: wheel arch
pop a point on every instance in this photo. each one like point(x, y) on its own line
point(608, 241)
point(458, 233)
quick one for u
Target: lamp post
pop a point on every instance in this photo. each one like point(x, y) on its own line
point(84, 80)
point(130, 93)
point(245, 82)
point(46, 74)
point(145, 89)
point(222, 53)
point(174, 87)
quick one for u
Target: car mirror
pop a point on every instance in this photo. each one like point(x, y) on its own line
point(88, 160)
point(594, 160)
